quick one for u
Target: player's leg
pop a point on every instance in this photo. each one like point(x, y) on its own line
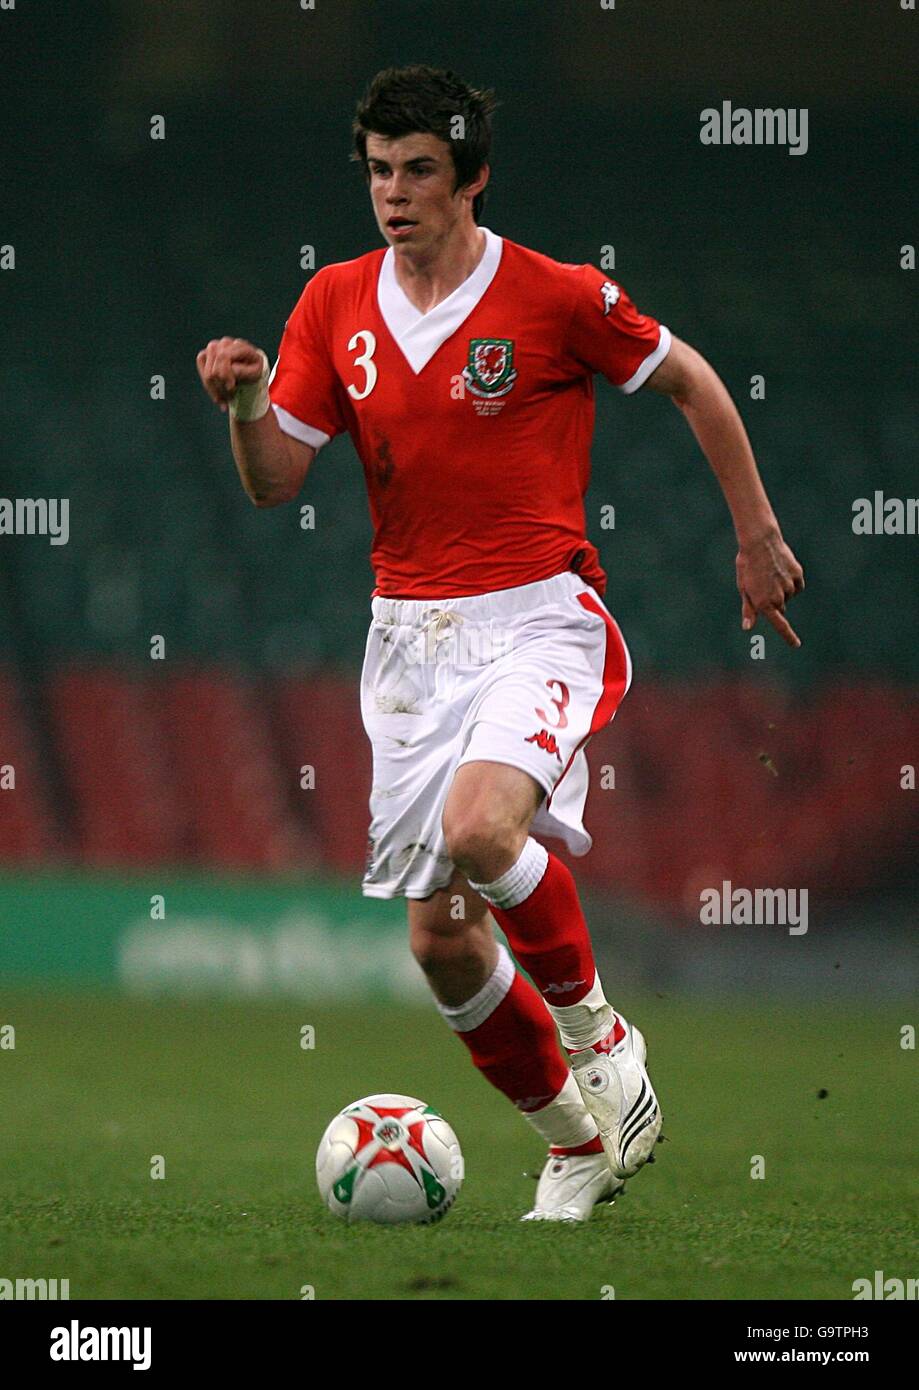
point(486, 820)
point(534, 898)
point(488, 702)
point(512, 1041)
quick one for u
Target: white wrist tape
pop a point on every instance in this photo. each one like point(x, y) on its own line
point(250, 401)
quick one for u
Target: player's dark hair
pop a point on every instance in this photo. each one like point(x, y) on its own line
point(402, 101)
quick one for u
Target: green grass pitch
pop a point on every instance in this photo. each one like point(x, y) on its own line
point(98, 1085)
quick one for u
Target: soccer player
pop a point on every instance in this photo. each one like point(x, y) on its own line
point(462, 364)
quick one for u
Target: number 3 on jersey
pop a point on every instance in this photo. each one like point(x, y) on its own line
point(365, 360)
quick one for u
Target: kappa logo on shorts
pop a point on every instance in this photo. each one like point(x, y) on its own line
point(545, 741)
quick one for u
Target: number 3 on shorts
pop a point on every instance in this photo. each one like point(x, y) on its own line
point(559, 701)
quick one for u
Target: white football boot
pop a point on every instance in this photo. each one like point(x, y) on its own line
point(571, 1185)
point(616, 1089)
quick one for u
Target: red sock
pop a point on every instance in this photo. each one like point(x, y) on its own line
point(549, 937)
point(593, 1146)
point(605, 1044)
point(517, 1050)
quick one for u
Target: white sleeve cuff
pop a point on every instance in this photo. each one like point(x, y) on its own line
point(305, 433)
point(650, 362)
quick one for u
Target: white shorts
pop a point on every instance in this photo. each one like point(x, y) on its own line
point(521, 676)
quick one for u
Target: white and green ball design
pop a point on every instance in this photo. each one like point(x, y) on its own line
point(389, 1159)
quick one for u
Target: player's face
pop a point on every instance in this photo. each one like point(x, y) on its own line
point(412, 180)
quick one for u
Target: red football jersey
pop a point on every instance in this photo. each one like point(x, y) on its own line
point(474, 421)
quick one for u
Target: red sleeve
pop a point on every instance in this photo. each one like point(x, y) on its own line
point(303, 387)
point(607, 333)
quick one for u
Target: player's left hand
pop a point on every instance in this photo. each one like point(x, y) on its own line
point(767, 576)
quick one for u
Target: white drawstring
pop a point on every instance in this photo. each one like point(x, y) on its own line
point(441, 618)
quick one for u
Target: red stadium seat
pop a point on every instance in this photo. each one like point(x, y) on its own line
point(228, 774)
point(727, 780)
point(125, 809)
point(27, 832)
point(320, 726)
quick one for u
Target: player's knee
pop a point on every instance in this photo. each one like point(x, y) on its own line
point(443, 951)
point(482, 844)
point(430, 949)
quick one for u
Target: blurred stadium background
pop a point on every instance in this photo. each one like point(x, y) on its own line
point(180, 778)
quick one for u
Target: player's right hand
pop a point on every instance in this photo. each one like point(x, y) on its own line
point(225, 364)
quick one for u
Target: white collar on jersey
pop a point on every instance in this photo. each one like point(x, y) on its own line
point(420, 335)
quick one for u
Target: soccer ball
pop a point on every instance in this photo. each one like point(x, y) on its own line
point(389, 1159)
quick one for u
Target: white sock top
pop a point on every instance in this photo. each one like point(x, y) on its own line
point(462, 1018)
point(520, 880)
